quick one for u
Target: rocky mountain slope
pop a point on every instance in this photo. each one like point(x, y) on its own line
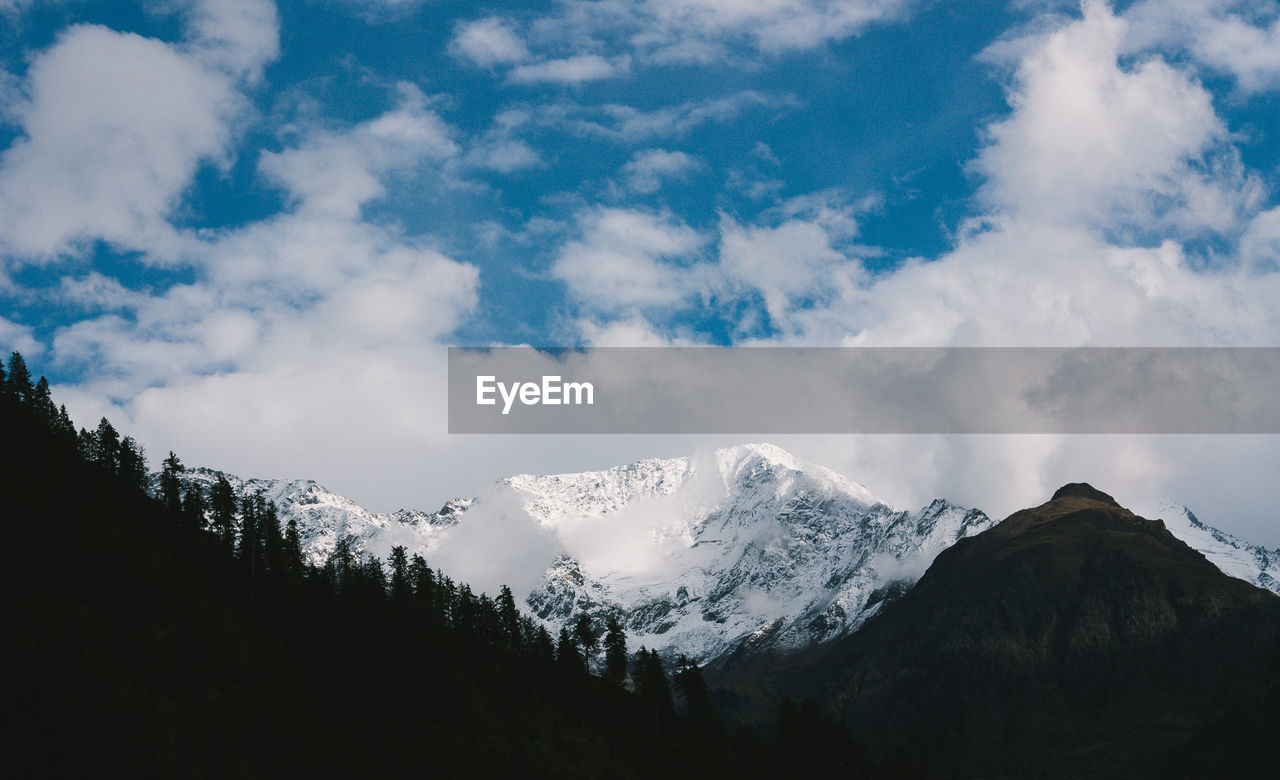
point(1074, 639)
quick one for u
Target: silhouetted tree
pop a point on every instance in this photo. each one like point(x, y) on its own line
point(193, 506)
point(222, 507)
point(692, 687)
point(509, 617)
point(19, 382)
point(615, 652)
point(585, 635)
point(170, 482)
point(106, 444)
point(401, 589)
point(133, 465)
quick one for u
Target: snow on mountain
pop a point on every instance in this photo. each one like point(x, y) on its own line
point(324, 517)
point(1232, 555)
point(741, 547)
point(747, 544)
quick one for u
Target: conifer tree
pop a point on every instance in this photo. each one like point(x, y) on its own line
point(509, 617)
point(19, 383)
point(424, 589)
point(222, 506)
point(692, 687)
point(293, 562)
point(615, 651)
point(170, 483)
point(272, 537)
point(133, 465)
point(585, 635)
point(46, 414)
point(567, 655)
point(400, 588)
point(65, 428)
point(193, 506)
point(106, 443)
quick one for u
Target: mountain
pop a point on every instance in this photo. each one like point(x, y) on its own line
point(1072, 639)
point(696, 555)
point(1233, 556)
point(324, 517)
point(745, 547)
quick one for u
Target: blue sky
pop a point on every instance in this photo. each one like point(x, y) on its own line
point(245, 230)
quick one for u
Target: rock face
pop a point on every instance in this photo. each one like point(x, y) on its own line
point(1072, 639)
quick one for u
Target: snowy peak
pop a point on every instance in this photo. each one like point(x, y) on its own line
point(1233, 556)
point(325, 517)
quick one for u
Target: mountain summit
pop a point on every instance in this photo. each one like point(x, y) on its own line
point(1072, 639)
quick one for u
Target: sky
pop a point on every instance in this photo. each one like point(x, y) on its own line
point(246, 230)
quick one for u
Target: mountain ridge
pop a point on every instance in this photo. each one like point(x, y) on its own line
point(744, 547)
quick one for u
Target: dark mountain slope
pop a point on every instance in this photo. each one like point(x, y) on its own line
point(1072, 639)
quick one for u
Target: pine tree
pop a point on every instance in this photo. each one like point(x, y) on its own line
point(652, 685)
point(170, 484)
point(424, 590)
point(46, 414)
point(400, 587)
point(293, 562)
point(106, 444)
point(509, 617)
point(133, 465)
point(567, 655)
point(585, 635)
point(193, 506)
point(66, 429)
point(615, 652)
point(19, 379)
point(692, 687)
point(222, 505)
point(272, 537)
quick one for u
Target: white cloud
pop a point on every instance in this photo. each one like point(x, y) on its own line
point(702, 31)
point(16, 337)
point(239, 36)
point(488, 42)
point(338, 173)
point(625, 259)
point(1238, 38)
point(114, 126)
point(646, 171)
point(571, 71)
point(1127, 149)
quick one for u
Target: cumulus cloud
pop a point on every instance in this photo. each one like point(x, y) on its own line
point(488, 42)
point(1240, 39)
point(339, 173)
point(114, 126)
point(626, 258)
point(1128, 149)
point(646, 171)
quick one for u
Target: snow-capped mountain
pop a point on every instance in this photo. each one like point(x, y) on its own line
point(324, 517)
point(748, 544)
point(744, 546)
point(1232, 555)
